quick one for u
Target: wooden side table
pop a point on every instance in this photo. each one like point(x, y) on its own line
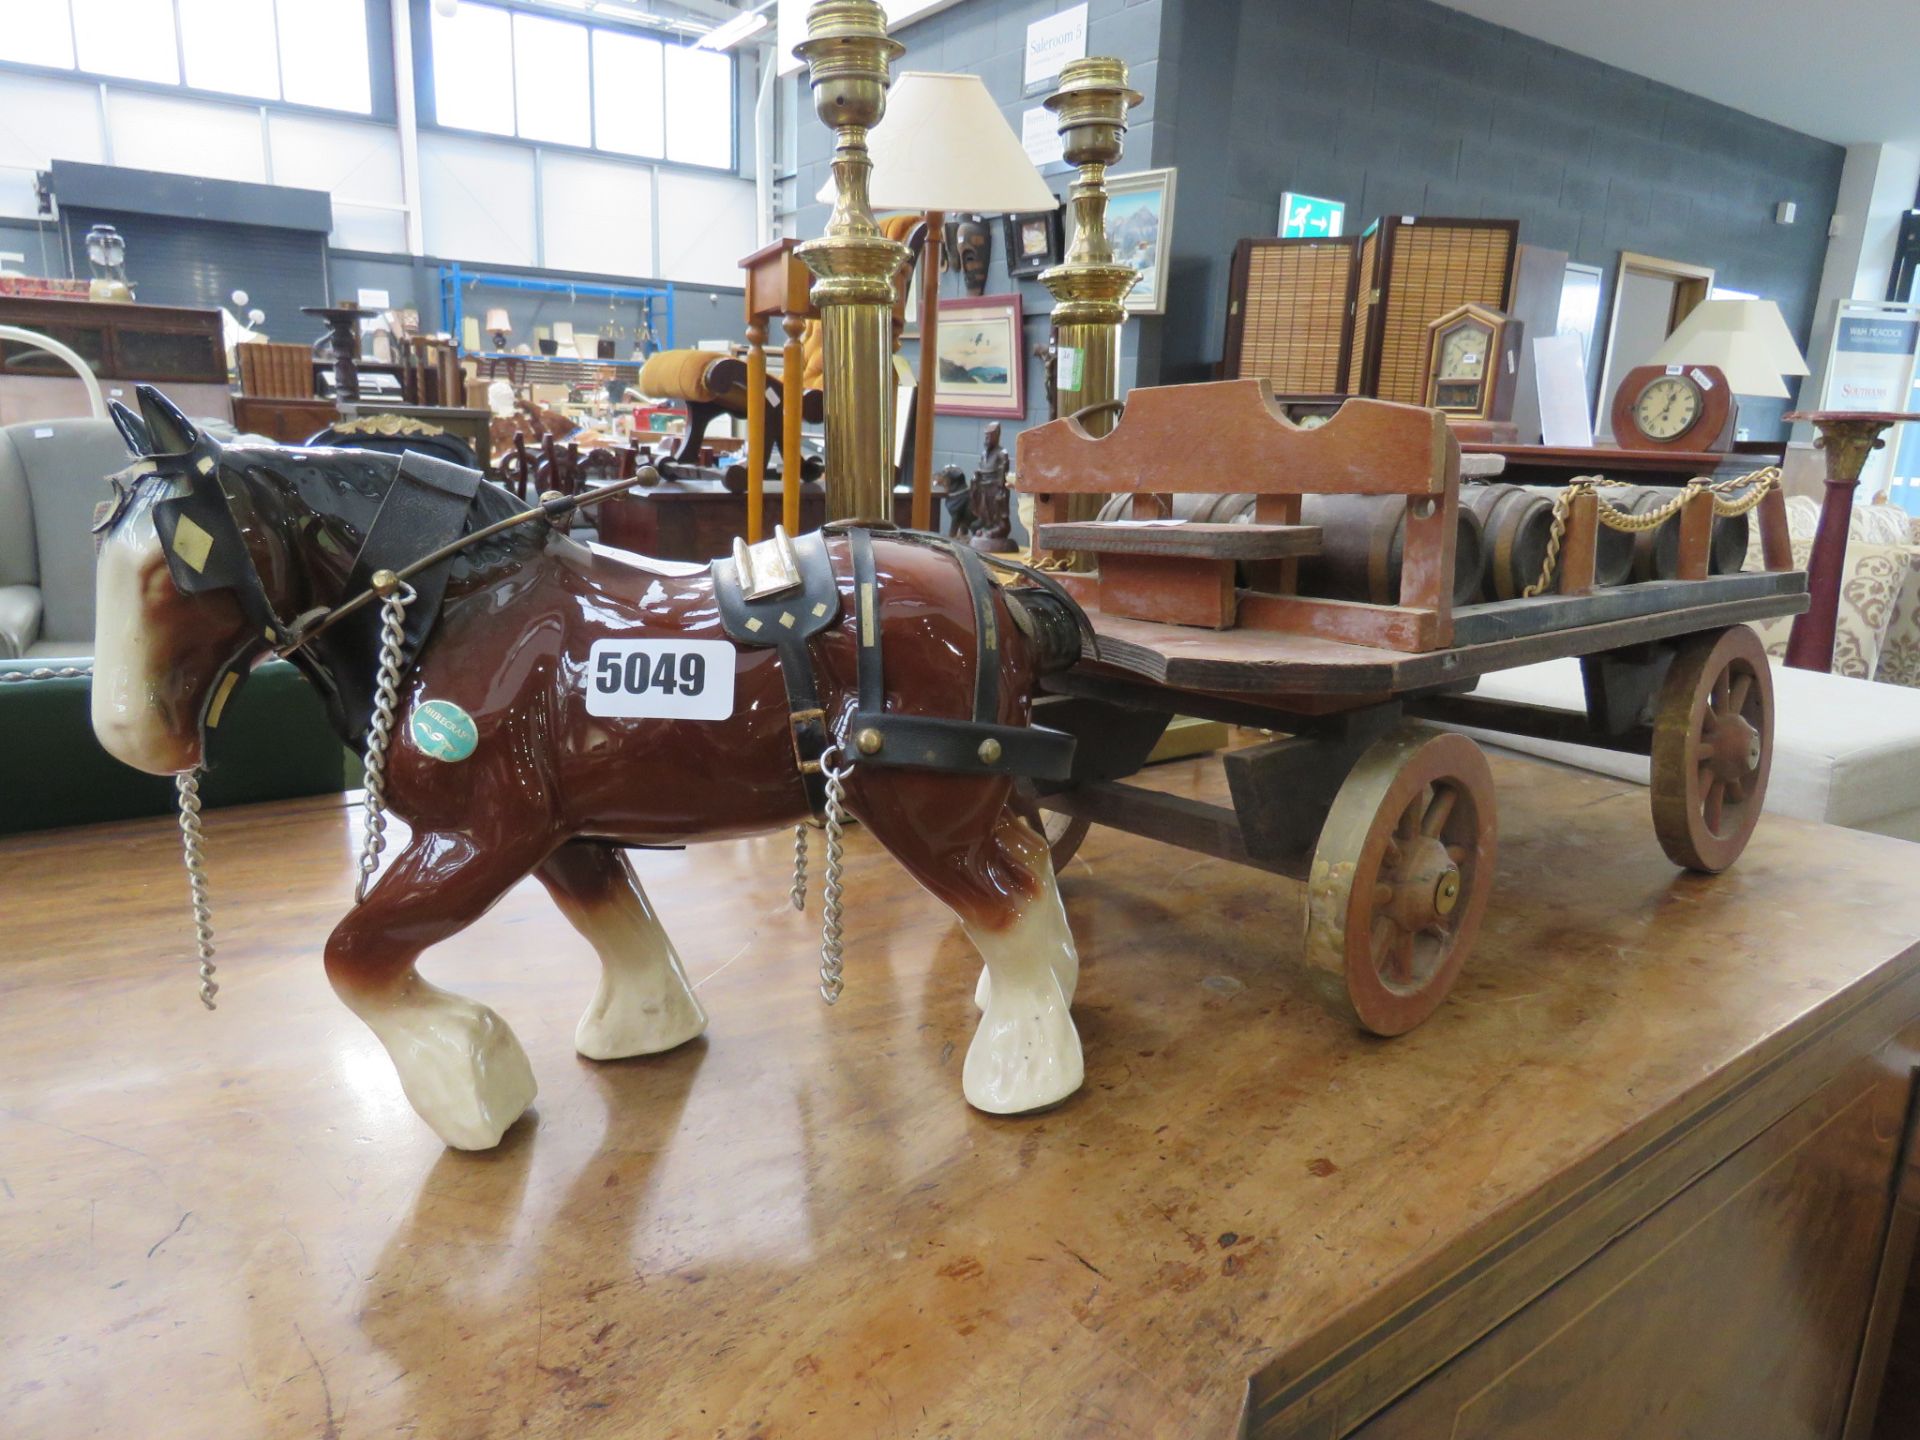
point(1847, 437)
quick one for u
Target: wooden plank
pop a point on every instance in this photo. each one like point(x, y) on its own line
point(1390, 627)
point(1188, 537)
point(1172, 589)
point(1228, 436)
point(1696, 534)
point(1508, 619)
point(1515, 717)
point(1176, 820)
point(1285, 667)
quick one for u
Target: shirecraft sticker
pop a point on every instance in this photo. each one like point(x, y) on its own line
point(660, 679)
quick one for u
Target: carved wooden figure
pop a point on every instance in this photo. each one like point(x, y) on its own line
point(565, 702)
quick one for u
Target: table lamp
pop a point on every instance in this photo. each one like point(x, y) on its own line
point(1746, 339)
point(944, 147)
point(498, 324)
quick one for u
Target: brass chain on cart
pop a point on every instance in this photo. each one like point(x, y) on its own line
point(1614, 518)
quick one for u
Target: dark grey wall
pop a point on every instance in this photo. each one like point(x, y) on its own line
point(987, 38)
point(1406, 107)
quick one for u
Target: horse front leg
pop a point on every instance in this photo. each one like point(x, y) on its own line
point(461, 1067)
point(644, 1004)
point(1026, 1052)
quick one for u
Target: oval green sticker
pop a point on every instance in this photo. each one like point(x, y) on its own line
point(443, 731)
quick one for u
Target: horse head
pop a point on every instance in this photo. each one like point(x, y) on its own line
point(179, 599)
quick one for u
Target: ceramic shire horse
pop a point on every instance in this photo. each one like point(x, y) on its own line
point(505, 757)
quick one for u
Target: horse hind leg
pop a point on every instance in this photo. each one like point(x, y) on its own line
point(644, 1004)
point(1025, 1053)
point(461, 1067)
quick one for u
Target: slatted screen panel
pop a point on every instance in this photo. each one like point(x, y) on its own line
point(1432, 268)
point(1292, 314)
point(1369, 266)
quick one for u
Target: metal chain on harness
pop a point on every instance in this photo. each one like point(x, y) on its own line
point(797, 896)
point(191, 836)
point(830, 946)
point(1614, 518)
point(395, 596)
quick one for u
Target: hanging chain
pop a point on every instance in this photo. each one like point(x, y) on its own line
point(187, 782)
point(47, 672)
point(798, 894)
point(830, 946)
point(1615, 518)
point(395, 596)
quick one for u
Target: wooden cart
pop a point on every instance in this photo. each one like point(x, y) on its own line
point(1389, 821)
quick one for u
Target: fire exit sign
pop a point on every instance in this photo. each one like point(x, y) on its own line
point(1310, 215)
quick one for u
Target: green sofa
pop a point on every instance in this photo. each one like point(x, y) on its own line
point(273, 744)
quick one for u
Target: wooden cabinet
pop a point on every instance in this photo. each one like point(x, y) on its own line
point(119, 342)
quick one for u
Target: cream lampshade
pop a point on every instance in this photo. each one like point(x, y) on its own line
point(1747, 339)
point(945, 146)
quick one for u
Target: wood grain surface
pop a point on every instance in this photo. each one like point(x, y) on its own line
point(233, 1225)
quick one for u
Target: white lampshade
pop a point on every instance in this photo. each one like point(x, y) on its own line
point(1747, 339)
point(944, 145)
point(498, 319)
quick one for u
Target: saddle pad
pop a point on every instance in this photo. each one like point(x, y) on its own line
point(781, 620)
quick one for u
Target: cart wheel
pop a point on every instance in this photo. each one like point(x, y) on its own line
point(1401, 874)
point(1712, 748)
point(1064, 833)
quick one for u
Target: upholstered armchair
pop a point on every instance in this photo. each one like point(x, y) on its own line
point(52, 474)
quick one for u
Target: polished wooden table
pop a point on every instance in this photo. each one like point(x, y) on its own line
point(1633, 1179)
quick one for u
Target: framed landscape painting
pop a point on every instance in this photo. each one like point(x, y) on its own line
point(1139, 227)
point(977, 358)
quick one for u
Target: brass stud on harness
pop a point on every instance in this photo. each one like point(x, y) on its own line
point(869, 741)
point(989, 751)
point(384, 583)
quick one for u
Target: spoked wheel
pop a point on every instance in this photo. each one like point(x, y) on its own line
point(1401, 874)
point(1062, 832)
point(1712, 748)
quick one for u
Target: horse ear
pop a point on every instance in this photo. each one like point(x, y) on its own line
point(172, 433)
point(132, 429)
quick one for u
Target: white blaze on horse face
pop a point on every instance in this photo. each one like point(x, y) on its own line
point(127, 718)
point(1026, 1053)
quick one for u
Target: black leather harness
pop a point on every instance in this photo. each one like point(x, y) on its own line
point(978, 745)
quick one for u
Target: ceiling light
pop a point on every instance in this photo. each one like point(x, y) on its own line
point(742, 26)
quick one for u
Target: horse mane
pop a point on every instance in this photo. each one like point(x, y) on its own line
point(347, 486)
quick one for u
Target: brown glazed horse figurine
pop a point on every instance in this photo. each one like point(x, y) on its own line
point(500, 770)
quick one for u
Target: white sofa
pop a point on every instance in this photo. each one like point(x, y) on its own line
point(52, 473)
point(1846, 751)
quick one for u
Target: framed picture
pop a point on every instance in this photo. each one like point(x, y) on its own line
point(977, 358)
point(1033, 242)
point(1139, 227)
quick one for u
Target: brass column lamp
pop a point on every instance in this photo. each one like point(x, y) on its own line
point(847, 52)
point(1088, 286)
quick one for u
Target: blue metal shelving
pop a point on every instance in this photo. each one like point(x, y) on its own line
point(655, 302)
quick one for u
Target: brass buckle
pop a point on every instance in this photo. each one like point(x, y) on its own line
point(795, 720)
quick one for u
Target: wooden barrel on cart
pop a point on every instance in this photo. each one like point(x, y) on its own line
point(1516, 527)
point(1360, 542)
point(1656, 553)
point(1612, 549)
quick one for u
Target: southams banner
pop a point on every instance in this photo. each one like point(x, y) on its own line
point(1872, 368)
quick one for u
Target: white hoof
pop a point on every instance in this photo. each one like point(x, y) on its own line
point(460, 1065)
point(640, 1010)
point(1026, 1053)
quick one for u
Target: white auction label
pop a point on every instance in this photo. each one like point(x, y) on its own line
point(660, 679)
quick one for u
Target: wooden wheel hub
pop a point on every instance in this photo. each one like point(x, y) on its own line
point(1401, 874)
point(1712, 748)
